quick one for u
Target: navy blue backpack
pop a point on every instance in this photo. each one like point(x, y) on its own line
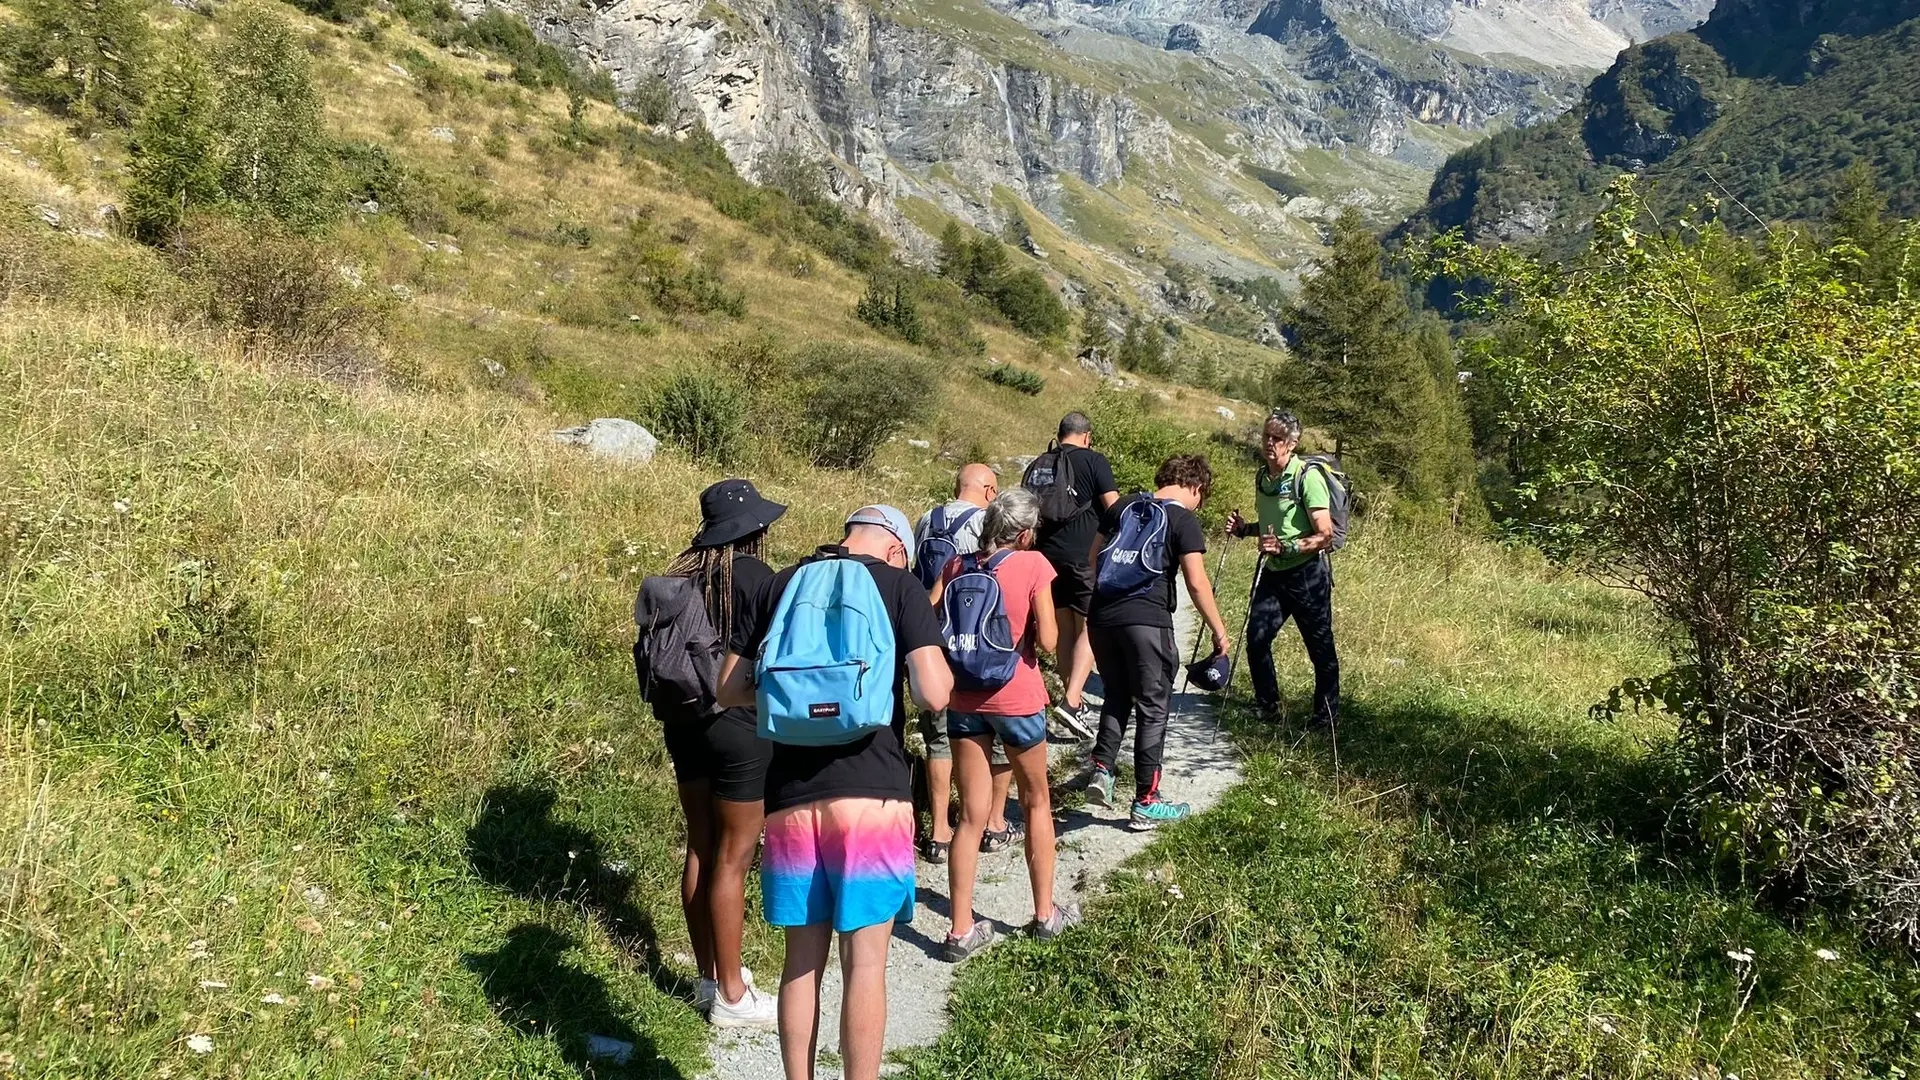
point(1135, 560)
point(938, 548)
point(973, 620)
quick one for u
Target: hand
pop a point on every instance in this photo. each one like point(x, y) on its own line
point(1221, 643)
point(1235, 523)
point(1272, 545)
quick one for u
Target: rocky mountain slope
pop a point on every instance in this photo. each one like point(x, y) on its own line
point(1765, 107)
point(1125, 135)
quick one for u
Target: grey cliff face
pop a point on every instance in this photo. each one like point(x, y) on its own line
point(909, 105)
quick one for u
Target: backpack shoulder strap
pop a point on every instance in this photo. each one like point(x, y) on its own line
point(960, 522)
point(937, 521)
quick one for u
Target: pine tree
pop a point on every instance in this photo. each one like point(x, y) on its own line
point(986, 262)
point(82, 56)
point(277, 159)
point(175, 151)
point(955, 255)
point(1094, 331)
point(1358, 368)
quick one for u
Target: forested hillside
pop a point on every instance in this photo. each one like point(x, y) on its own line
point(1765, 108)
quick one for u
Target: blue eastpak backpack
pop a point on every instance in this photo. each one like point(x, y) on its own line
point(973, 621)
point(938, 548)
point(825, 674)
point(1136, 558)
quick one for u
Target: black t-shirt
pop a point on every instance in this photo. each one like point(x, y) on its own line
point(872, 766)
point(750, 575)
point(1155, 606)
point(1066, 545)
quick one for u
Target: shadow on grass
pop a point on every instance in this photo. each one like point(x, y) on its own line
point(520, 846)
point(537, 991)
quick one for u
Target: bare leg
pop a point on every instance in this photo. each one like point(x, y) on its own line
point(863, 1007)
point(976, 788)
point(997, 806)
point(696, 802)
point(1077, 651)
point(739, 833)
point(800, 997)
point(939, 795)
point(1030, 766)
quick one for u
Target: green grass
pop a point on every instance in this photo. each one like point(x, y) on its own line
point(1486, 885)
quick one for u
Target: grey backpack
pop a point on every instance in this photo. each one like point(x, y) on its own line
point(1339, 494)
point(677, 654)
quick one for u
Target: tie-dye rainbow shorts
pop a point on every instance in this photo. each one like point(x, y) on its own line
point(848, 862)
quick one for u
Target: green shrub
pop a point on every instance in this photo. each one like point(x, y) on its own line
point(339, 11)
point(888, 307)
point(369, 171)
point(673, 283)
point(282, 288)
point(175, 163)
point(1016, 378)
point(276, 156)
point(1282, 184)
point(703, 412)
point(853, 399)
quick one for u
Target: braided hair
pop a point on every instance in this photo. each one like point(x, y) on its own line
point(712, 567)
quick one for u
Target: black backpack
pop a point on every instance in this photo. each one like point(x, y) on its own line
point(1050, 476)
point(677, 654)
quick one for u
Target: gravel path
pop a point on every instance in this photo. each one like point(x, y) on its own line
point(1092, 843)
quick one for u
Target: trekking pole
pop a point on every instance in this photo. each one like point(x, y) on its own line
point(1253, 590)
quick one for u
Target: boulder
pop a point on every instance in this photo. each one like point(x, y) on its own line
point(611, 437)
point(1098, 362)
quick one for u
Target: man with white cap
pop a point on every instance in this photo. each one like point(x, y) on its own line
point(839, 852)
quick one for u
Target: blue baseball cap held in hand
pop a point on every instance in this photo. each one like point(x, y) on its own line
point(1212, 674)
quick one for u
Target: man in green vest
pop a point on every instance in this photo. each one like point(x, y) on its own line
point(1295, 527)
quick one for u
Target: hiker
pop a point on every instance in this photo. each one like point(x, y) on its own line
point(719, 759)
point(1144, 542)
point(1075, 485)
point(841, 631)
point(946, 531)
point(1296, 526)
point(997, 608)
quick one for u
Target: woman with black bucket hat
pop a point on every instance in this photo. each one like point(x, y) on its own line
point(720, 761)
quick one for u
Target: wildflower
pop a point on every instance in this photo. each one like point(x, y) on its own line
point(316, 897)
point(272, 998)
point(475, 620)
point(200, 1044)
point(1826, 954)
point(1271, 801)
point(120, 506)
point(318, 982)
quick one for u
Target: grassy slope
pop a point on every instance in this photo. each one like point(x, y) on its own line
point(1481, 888)
point(320, 693)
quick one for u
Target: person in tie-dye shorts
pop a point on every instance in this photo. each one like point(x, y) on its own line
point(839, 843)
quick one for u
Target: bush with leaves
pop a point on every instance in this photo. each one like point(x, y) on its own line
point(277, 160)
point(1736, 434)
point(1025, 380)
point(84, 57)
point(650, 263)
point(702, 409)
point(852, 399)
point(284, 289)
point(888, 307)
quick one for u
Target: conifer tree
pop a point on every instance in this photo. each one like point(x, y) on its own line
point(81, 56)
point(175, 151)
point(955, 255)
point(1094, 332)
point(276, 159)
point(1359, 370)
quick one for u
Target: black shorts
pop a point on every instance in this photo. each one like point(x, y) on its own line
point(725, 751)
point(1072, 587)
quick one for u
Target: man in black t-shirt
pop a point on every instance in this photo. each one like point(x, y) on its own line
point(1067, 547)
point(1133, 640)
point(839, 845)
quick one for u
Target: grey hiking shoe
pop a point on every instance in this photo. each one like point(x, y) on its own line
point(1100, 789)
point(1062, 918)
point(957, 949)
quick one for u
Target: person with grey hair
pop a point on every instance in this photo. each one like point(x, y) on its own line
point(1088, 476)
point(1015, 711)
point(1294, 521)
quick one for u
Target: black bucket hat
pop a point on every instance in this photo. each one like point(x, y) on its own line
point(731, 510)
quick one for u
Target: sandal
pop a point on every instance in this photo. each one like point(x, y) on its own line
point(935, 851)
point(994, 841)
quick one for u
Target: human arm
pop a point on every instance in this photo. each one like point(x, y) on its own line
point(1100, 479)
point(1046, 623)
point(736, 682)
point(1193, 566)
point(929, 678)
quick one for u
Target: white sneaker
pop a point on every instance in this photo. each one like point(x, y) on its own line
point(707, 991)
point(754, 1009)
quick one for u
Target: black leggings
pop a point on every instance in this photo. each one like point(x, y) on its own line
point(1136, 668)
point(1305, 595)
